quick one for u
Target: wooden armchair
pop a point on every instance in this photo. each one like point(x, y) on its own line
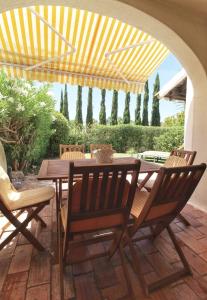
point(100, 200)
point(13, 203)
point(172, 189)
point(99, 146)
point(71, 152)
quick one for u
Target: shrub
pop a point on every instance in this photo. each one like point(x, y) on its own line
point(122, 137)
point(60, 127)
point(25, 119)
point(171, 139)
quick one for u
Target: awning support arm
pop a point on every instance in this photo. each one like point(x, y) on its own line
point(73, 49)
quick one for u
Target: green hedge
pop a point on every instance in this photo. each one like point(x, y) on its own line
point(124, 138)
point(137, 138)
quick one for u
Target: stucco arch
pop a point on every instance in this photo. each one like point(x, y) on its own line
point(159, 26)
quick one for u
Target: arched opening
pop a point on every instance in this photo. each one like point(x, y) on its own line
point(134, 15)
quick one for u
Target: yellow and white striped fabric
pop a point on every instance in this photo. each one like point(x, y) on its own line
point(28, 37)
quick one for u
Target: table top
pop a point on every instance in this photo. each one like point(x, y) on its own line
point(58, 168)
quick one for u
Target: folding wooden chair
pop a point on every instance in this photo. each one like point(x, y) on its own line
point(99, 146)
point(157, 209)
point(3, 162)
point(99, 201)
point(72, 152)
point(189, 156)
point(13, 203)
point(177, 158)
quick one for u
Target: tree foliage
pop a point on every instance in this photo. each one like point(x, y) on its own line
point(89, 115)
point(171, 139)
point(145, 121)
point(25, 119)
point(65, 103)
point(155, 120)
point(102, 114)
point(61, 102)
point(126, 115)
point(177, 120)
point(60, 133)
point(114, 109)
point(137, 118)
point(79, 117)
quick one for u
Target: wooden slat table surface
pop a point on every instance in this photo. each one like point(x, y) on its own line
point(58, 168)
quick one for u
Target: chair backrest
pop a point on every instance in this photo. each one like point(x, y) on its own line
point(7, 190)
point(72, 155)
point(3, 162)
point(175, 161)
point(189, 156)
point(99, 146)
point(102, 196)
point(172, 189)
point(71, 148)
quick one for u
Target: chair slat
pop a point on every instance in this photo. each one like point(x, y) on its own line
point(94, 190)
point(112, 192)
point(103, 199)
point(121, 187)
point(84, 191)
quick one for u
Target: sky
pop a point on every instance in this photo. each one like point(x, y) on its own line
point(166, 70)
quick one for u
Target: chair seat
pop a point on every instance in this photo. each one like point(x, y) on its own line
point(18, 200)
point(92, 223)
point(149, 184)
point(140, 199)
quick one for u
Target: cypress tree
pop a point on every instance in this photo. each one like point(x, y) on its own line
point(114, 109)
point(79, 117)
point(155, 121)
point(145, 121)
point(126, 116)
point(65, 103)
point(61, 101)
point(89, 116)
point(137, 119)
point(102, 114)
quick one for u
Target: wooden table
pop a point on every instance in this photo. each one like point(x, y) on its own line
point(57, 169)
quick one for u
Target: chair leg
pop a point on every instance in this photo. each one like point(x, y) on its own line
point(38, 218)
point(126, 271)
point(183, 220)
point(60, 251)
point(21, 227)
point(115, 244)
point(179, 251)
point(168, 279)
point(18, 214)
point(135, 264)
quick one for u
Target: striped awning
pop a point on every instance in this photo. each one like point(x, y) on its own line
point(68, 45)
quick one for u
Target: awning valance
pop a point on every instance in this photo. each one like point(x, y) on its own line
point(63, 44)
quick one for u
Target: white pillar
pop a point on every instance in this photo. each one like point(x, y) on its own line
point(196, 139)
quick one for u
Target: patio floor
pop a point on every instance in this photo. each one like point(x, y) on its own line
point(28, 274)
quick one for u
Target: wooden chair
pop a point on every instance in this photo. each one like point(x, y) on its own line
point(71, 152)
point(189, 156)
point(99, 146)
point(99, 201)
point(13, 203)
point(157, 209)
point(177, 158)
point(3, 162)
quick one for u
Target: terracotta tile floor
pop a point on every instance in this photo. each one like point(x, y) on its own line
point(27, 274)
